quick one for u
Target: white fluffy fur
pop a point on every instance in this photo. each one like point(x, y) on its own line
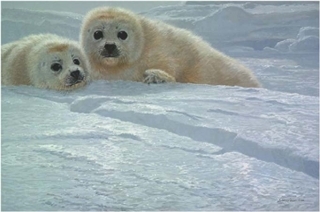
point(156, 52)
point(28, 62)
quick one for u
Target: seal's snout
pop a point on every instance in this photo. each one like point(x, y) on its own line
point(110, 48)
point(75, 77)
point(75, 74)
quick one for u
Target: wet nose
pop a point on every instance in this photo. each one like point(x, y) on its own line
point(75, 74)
point(110, 47)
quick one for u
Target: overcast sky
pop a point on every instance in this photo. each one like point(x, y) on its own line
point(82, 7)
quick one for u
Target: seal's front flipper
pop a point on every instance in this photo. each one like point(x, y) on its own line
point(157, 76)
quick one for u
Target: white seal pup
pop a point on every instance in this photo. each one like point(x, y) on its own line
point(122, 45)
point(44, 61)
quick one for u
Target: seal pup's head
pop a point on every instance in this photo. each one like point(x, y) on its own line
point(61, 66)
point(111, 37)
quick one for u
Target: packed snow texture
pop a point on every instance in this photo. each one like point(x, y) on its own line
point(131, 146)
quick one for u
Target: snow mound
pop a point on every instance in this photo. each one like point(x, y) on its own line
point(223, 23)
point(231, 14)
point(284, 45)
point(307, 43)
point(308, 31)
point(263, 24)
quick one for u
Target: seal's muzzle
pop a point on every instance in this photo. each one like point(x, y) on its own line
point(110, 50)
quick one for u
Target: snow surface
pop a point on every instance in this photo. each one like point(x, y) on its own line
point(132, 146)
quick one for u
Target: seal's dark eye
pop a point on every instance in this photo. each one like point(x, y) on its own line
point(56, 67)
point(76, 61)
point(98, 35)
point(122, 35)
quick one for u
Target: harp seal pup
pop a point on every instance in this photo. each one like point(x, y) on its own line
point(122, 45)
point(44, 61)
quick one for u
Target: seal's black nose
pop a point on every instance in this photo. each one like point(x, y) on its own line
point(110, 48)
point(75, 74)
